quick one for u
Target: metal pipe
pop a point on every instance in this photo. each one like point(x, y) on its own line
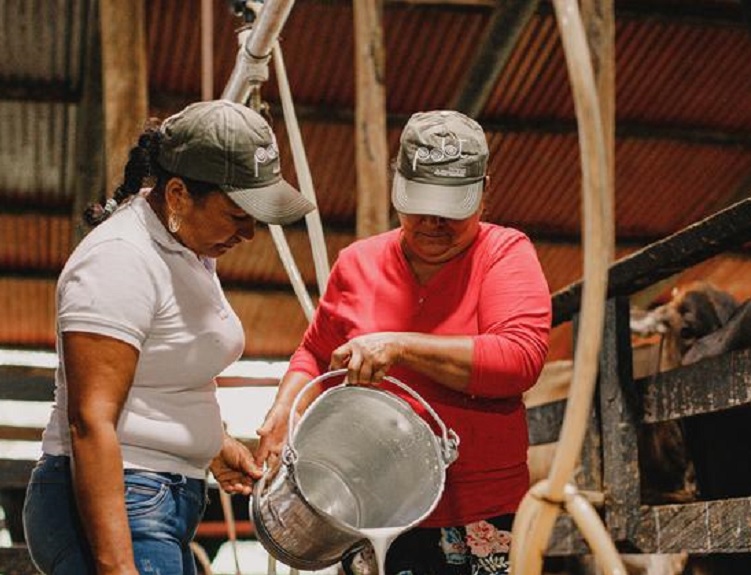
point(266, 31)
point(251, 72)
point(304, 177)
point(295, 278)
point(251, 64)
point(247, 70)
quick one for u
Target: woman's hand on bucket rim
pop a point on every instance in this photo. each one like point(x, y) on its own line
point(273, 432)
point(272, 436)
point(368, 357)
point(234, 468)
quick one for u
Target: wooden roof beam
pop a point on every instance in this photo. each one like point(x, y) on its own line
point(691, 13)
point(508, 20)
point(694, 13)
point(39, 91)
point(514, 125)
point(371, 145)
point(124, 80)
point(114, 99)
point(89, 144)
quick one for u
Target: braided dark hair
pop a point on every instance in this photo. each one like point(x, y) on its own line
point(143, 169)
point(139, 170)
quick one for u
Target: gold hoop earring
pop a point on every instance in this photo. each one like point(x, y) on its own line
point(173, 222)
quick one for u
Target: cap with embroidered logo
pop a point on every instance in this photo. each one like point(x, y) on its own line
point(228, 144)
point(440, 166)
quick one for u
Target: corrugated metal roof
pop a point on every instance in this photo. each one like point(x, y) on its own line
point(680, 74)
point(533, 86)
point(675, 183)
point(28, 313)
point(273, 322)
point(683, 149)
point(34, 242)
point(41, 42)
point(429, 50)
point(36, 144)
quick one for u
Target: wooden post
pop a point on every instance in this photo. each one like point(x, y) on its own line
point(124, 77)
point(598, 17)
point(621, 414)
point(89, 145)
point(504, 28)
point(371, 147)
point(207, 50)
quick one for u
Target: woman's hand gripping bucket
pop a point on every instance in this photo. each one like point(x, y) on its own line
point(360, 459)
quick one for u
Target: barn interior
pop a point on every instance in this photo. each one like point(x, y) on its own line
point(80, 78)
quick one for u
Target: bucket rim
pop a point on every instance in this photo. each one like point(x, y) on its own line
point(449, 440)
point(349, 388)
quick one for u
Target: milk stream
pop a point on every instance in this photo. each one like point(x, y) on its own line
point(381, 538)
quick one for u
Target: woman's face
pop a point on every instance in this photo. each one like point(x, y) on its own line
point(435, 240)
point(211, 226)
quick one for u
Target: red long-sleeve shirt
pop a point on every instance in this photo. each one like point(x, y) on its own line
point(496, 292)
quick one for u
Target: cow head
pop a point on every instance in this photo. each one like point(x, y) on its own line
point(693, 311)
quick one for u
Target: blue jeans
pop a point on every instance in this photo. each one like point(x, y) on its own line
point(164, 510)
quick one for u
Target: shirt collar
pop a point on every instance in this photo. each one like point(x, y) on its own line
point(154, 225)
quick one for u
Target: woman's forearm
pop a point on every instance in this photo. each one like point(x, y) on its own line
point(289, 388)
point(99, 373)
point(368, 358)
point(445, 359)
point(99, 489)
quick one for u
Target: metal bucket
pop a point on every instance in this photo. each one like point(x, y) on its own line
point(360, 458)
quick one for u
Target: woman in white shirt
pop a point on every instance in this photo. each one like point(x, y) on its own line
point(143, 328)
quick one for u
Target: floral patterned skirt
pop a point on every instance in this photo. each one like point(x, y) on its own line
point(480, 548)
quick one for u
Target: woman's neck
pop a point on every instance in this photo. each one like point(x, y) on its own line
point(158, 206)
point(421, 269)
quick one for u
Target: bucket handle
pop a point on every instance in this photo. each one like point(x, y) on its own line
point(449, 439)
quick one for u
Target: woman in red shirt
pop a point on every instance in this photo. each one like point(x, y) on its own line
point(460, 311)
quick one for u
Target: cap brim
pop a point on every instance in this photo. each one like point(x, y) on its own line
point(452, 202)
point(278, 203)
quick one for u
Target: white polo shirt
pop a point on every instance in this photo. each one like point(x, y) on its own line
point(129, 279)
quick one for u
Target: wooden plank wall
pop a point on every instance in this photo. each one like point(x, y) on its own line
point(32, 384)
point(624, 404)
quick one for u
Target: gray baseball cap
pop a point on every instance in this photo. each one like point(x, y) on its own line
point(228, 144)
point(440, 166)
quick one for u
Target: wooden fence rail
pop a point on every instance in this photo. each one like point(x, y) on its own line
point(610, 461)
